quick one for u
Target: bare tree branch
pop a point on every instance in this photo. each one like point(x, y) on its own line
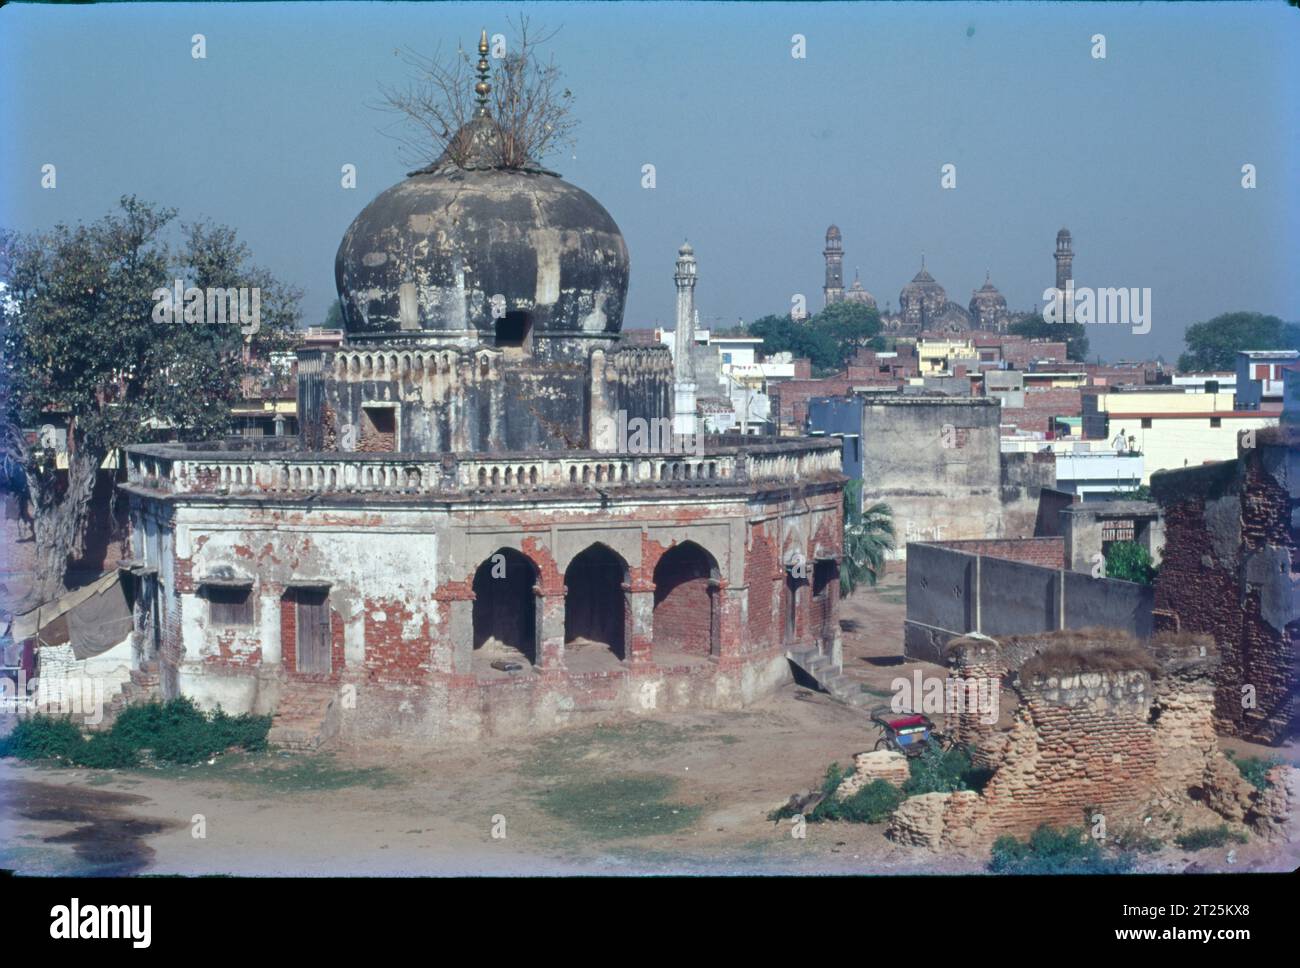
point(529, 106)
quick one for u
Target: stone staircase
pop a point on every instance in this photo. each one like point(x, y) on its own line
point(306, 718)
point(830, 677)
point(145, 685)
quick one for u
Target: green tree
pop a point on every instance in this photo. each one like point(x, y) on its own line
point(81, 346)
point(1130, 561)
point(851, 325)
point(1035, 327)
point(334, 317)
point(781, 334)
point(1213, 345)
point(868, 536)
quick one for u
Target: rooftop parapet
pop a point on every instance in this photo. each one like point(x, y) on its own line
point(227, 469)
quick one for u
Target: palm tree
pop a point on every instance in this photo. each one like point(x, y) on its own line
point(868, 534)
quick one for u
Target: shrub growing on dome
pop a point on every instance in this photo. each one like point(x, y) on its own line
point(515, 111)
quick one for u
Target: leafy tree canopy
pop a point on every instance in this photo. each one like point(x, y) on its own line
point(82, 349)
point(1213, 345)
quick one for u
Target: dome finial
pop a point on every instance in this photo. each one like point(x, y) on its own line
point(482, 88)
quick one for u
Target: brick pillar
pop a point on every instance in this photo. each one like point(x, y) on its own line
point(453, 645)
point(729, 618)
point(550, 629)
point(641, 616)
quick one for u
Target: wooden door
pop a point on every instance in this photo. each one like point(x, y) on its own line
point(313, 653)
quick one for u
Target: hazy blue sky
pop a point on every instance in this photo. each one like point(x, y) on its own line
point(756, 152)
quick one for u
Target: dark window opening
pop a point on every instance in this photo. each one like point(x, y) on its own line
point(378, 430)
point(1216, 421)
point(823, 573)
point(1146, 423)
point(230, 606)
point(595, 607)
point(505, 606)
point(513, 329)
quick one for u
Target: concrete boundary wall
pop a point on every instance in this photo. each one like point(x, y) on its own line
point(952, 593)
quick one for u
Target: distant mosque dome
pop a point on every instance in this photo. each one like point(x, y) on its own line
point(922, 300)
point(429, 255)
point(856, 293)
point(988, 307)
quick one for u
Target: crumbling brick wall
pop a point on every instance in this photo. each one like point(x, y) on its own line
point(1093, 737)
point(1230, 569)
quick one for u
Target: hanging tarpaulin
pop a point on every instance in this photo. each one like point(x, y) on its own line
point(92, 619)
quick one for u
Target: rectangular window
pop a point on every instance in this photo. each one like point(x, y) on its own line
point(1261, 371)
point(1216, 421)
point(378, 429)
point(1146, 423)
point(229, 607)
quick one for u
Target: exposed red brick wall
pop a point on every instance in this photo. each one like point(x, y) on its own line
point(762, 571)
point(392, 655)
point(683, 605)
point(1041, 405)
point(1048, 552)
point(790, 399)
point(1206, 595)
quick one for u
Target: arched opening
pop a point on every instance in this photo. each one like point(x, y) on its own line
point(513, 329)
point(595, 605)
point(505, 608)
point(686, 601)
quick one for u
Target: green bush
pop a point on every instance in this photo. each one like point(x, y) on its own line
point(107, 751)
point(43, 737)
point(943, 771)
point(1203, 837)
point(1052, 851)
point(1130, 561)
point(872, 803)
point(176, 732)
point(1255, 769)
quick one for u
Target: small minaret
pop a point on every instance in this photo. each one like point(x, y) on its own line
point(1064, 259)
point(684, 339)
point(834, 253)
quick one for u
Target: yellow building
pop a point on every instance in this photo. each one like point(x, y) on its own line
point(936, 355)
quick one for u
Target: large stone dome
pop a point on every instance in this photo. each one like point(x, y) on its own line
point(428, 256)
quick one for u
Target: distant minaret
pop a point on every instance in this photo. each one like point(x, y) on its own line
point(834, 253)
point(1064, 258)
point(684, 339)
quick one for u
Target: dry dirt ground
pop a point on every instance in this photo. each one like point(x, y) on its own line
point(638, 795)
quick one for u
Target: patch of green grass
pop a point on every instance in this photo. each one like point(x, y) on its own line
point(563, 753)
point(1255, 769)
point(1205, 837)
point(1051, 851)
point(631, 805)
point(300, 773)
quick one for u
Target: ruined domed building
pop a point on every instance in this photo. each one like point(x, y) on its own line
point(470, 536)
point(988, 308)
